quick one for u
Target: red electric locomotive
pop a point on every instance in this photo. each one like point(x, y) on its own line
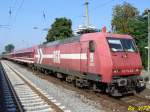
point(103, 61)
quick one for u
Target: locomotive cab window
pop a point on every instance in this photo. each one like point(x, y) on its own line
point(117, 44)
point(92, 46)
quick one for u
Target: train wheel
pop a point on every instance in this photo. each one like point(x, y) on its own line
point(59, 75)
point(81, 83)
point(113, 92)
point(70, 79)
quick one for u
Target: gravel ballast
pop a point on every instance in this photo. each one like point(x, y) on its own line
point(68, 98)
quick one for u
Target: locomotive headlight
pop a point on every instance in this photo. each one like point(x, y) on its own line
point(137, 70)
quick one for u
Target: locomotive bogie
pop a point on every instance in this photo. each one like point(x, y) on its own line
point(125, 85)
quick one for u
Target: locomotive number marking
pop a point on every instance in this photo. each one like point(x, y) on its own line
point(56, 56)
point(91, 59)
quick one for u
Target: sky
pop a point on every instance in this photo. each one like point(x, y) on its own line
point(19, 17)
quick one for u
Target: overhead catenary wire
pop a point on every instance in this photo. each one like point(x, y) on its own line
point(5, 26)
point(101, 5)
point(18, 10)
point(44, 15)
point(14, 5)
point(10, 16)
point(11, 11)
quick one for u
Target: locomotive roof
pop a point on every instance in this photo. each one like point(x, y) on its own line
point(63, 41)
point(85, 37)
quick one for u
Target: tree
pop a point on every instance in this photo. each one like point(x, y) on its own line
point(122, 14)
point(140, 33)
point(9, 48)
point(60, 29)
point(126, 19)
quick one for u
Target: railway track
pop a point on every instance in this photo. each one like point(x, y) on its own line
point(116, 105)
point(8, 98)
point(29, 97)
point(137, 103)
point(132, 103)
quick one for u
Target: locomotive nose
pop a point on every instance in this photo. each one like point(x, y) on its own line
point(126, 63)
point(125, 56)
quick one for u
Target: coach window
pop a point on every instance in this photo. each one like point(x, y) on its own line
point(92, 46)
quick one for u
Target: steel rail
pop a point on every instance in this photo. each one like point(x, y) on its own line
point(16, 99)
point(54, 106)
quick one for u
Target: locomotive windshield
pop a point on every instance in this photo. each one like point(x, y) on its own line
point(117, 44)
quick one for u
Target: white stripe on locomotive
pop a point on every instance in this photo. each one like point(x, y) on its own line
point(56, 56)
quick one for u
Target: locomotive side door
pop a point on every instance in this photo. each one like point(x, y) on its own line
point(91, 67)
point(88, 62)
point(84, 56)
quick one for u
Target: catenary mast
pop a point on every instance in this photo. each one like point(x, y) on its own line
point(86, 28)
point(87, 14)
